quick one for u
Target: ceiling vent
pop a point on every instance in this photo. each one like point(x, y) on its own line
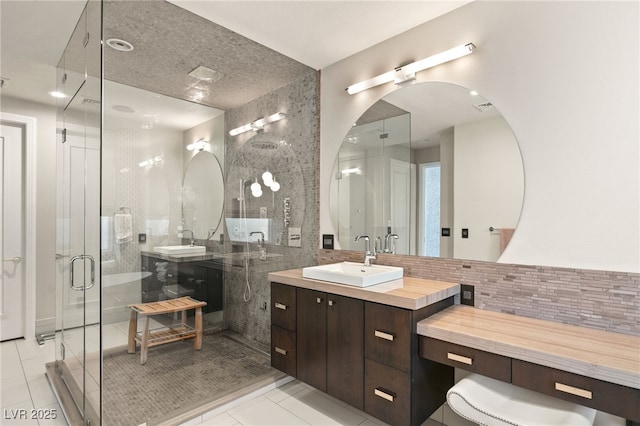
point(206, 74)
point(90, 102)
point(483, 107)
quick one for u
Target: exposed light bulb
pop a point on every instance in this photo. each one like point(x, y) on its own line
point(267, 177)
point(275, 186)
point(257, 193)
point(255, 187)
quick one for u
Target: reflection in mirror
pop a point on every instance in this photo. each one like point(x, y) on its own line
point(434, 164)
point(268, 205)
point(203, 195)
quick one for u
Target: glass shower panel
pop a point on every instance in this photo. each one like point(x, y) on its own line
point(372, 185)
point(398, 175)
point(78, 359)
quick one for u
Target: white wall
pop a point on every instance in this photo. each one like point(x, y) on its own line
point(565, 77)
point(46, 204)
point(488, 187)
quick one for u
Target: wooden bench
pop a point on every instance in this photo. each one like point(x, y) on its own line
point(174, 333)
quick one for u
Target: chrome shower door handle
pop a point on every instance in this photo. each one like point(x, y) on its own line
point(16, 259)
point(93, 272)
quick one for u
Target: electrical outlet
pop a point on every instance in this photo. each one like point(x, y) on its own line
point(263, 306)
point(465, 232)
point(467, 296)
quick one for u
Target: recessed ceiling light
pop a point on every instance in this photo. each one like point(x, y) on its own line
point(57, 94)
point(120, 45)
point(124, 108)
point(204, 73)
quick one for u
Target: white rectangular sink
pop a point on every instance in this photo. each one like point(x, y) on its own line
point(175, 250)
point(355, 274)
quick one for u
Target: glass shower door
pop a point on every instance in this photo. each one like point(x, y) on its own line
point(79, 356)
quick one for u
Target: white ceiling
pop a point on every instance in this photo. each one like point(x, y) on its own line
point(316, 33)
point(319, 33)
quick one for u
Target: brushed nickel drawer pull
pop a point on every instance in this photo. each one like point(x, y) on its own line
point(383, 335)
point(281, 306)
point(459, 358)
point(318, 300)
point(281, 351)
point(574, 391)
point(331, 302)
point(383, 395)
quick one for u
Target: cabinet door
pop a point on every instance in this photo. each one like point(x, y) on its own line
point(283, 350)
point(387, 393)
point(345, 349)
point(388, 335)
point(283, 306)
point(312, 338)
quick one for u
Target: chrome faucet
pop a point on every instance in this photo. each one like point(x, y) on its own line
point(261, 241)
point(192, 241)
point(368, 254)
point(387, 244)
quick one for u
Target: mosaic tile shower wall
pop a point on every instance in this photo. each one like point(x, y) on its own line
point(289, 150)
point(597, 299)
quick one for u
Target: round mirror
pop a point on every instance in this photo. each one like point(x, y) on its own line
point(432, 169)
point(203, 195)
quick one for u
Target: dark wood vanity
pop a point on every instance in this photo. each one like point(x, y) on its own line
point(200, 277)
point(347, 342)
point(589, 367)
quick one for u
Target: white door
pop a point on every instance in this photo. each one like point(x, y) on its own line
point(402, 202)
point(12, 286)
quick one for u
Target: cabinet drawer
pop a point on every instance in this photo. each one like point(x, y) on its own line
point(387, 393)
point(474, 360)
point(387, 335)
point(283, 306)
point(604, 396)
point(283, 350)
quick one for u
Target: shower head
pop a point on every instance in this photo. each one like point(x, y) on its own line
point(263, 144)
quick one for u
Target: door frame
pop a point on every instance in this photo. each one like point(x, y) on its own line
point(29, 125)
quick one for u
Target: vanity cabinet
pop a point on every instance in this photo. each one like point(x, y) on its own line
point(201, 279)
point(329, 344)
point(283, 329)
point(361, 352)
point(605, 396)
point(400, 387)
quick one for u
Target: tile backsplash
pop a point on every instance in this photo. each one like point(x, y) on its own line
point(597, 299)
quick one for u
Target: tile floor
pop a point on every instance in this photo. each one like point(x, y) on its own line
point(25, 392)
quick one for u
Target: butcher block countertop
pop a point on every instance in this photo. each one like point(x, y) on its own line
point(407, 293)
point(602, 355)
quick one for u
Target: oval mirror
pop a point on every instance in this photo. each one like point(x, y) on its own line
point(203, 195)
point(432, 169)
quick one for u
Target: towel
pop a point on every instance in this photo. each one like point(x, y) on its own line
point(123, 227)
point(505, 237)
point(491, 402)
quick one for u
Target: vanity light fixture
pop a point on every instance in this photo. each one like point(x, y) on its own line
point(407, 72)
point(258, 124)
point(198, 145)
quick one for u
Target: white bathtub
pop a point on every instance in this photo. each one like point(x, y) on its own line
point(119, 291)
